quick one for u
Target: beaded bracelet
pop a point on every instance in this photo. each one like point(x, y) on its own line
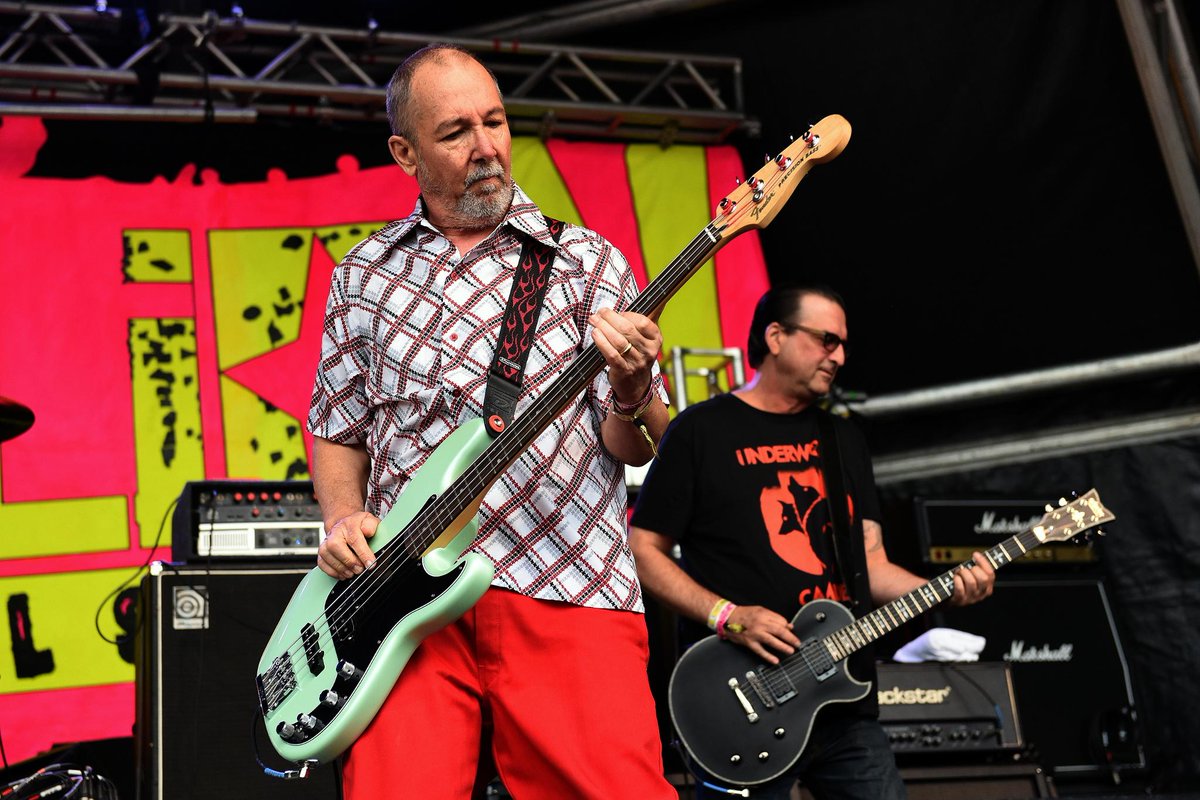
point(632, 411)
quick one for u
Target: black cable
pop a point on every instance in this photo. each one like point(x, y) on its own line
point(150, 557)
point(3, 755)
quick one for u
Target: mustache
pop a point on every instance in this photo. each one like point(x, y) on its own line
point(491, 169)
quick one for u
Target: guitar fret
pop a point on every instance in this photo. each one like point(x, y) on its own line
point(835, 648)
point(888, 609)
point(927, 590)
point(1017, 539)
point(988, 554)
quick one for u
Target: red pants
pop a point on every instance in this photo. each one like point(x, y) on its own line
point(563, 686)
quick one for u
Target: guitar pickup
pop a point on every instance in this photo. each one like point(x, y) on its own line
point(312, 649)
point(817, 659)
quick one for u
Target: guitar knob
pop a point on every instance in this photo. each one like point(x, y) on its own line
point(780, 733)
point(289, 733)
point(309, 723)
point(735, 759)
point(764, 755)
point(348, 671)
point(821, 616)
point(331, 698)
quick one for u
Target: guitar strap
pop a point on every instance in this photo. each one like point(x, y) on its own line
point(517, 329)
point(849, 550)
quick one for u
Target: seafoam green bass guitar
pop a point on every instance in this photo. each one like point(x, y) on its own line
point(341, 645)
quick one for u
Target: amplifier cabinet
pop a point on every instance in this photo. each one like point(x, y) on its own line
point(1069, 671)
point(200, 635)
point(957, 708)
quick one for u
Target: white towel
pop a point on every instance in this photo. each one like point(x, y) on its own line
point(942, 644)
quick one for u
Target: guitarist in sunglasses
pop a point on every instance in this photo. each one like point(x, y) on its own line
point(740, 486)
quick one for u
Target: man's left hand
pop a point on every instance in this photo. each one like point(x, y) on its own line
point(630, 343)
point(973, 583)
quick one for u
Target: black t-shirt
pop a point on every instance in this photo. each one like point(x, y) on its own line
point(743, 493)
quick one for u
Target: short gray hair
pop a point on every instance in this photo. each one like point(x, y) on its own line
point(399, 89)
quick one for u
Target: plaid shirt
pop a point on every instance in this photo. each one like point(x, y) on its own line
point(411, 329)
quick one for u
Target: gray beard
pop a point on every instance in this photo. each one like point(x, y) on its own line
point(474, 211)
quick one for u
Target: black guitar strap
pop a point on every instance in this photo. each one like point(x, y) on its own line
point(517, 329)
point(848, 549)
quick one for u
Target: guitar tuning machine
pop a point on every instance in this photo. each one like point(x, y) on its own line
point(783, 161)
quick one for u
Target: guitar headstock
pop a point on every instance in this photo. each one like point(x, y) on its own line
point(755, 203)
point(1083, 513)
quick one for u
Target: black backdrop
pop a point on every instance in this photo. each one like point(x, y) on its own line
point(1002, 207)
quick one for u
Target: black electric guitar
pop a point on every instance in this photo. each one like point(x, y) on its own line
point(341, 646)
point(746, 722)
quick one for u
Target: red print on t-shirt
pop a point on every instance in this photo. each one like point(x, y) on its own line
point(794, 512)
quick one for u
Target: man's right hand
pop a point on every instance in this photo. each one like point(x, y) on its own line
point(763, 631)
point(345, 552)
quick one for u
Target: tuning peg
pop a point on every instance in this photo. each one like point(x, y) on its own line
point(1049, 507)
point(767, 158)
point(1062, 501)
point(1101, 532)
point(737, 181)
point(783, 161)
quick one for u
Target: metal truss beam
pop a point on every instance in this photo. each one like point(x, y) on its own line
point(1038, 445)
point(1166, 65)
point(68, 61)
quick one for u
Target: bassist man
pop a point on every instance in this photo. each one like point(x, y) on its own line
point(741, 486)
point(552, 659)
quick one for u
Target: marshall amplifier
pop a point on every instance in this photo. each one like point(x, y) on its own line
point(945, 708)
point(1069, 671)
point(950, 530)
point(246, 520)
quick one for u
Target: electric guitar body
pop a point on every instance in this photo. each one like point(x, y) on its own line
point(382, 626)
point(756, 741)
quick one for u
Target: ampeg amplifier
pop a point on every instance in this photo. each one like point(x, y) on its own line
point(243, 519)
point(949, 530)
point(944, 707)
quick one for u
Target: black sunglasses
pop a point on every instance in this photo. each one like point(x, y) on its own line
point(829, 341)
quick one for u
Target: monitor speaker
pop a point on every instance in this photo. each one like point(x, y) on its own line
point(200, 636)
point(1070, 677)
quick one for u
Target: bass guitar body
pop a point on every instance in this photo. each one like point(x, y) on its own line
point(340, 646)
point(746, 722)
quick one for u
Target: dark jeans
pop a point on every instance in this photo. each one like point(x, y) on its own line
point(847, 758)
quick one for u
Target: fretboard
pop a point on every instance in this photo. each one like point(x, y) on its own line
point(885, 619)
